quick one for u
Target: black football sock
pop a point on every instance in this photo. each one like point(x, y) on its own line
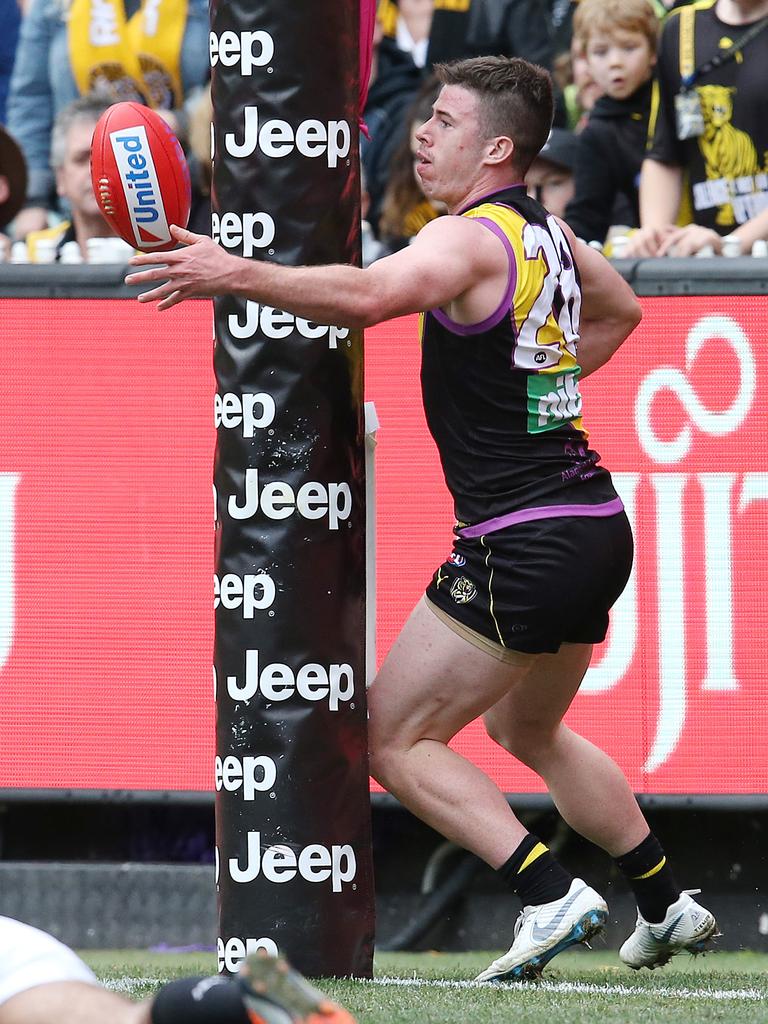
point(199, 1001)
point(650, 878)
point(534, 874)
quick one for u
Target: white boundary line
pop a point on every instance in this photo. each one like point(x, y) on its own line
point(561, 987)
point(128, 985)
point(579, 987)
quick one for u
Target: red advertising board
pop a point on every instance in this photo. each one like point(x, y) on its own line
point(106, 544)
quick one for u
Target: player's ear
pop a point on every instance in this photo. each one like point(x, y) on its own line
point(499, 150)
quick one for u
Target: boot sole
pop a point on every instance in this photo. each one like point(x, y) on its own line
point(587, 927)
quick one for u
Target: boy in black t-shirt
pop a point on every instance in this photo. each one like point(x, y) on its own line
point(619, 38)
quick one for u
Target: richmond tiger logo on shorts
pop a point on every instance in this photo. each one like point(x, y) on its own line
point(463, 590)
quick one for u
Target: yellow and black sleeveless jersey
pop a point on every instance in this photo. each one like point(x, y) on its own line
point(502, 397)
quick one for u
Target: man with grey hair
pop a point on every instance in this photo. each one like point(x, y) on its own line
point(70, 159)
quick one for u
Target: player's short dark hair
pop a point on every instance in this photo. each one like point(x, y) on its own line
point(515, 99)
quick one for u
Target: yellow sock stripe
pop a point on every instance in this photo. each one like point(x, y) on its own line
point(535, 853)
point(653, 871)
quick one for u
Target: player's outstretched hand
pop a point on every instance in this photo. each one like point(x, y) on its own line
point(201, 269)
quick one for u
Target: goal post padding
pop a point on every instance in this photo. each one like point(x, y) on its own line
point(293, 846)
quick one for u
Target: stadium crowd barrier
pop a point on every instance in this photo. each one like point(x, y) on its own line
point(106, 536)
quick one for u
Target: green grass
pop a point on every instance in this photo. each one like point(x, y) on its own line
point(578, 988)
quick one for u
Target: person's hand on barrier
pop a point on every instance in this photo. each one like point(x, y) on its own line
point(31, 218)
point(688, 240)
point(646, 242)
point(198, 270)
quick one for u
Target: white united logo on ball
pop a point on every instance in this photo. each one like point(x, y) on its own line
point(138, 178)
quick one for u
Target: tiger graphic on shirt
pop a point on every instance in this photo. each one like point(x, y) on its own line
point(728, 152)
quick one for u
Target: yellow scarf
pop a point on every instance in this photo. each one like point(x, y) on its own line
point(136, 59)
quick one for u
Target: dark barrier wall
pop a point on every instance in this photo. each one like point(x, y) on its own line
point(294, 867)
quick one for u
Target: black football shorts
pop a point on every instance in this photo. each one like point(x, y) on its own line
point(536, 585)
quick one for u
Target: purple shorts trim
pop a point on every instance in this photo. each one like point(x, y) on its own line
point(527, 515)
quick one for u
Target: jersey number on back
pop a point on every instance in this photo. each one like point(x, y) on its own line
point(547, 334)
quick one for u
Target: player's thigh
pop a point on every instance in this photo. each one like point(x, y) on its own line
point(434, 682)
point(533, 708)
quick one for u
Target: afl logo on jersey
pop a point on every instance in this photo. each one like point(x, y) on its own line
point(540, 357)
point(456, 559)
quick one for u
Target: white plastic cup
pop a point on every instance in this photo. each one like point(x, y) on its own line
point(70, 253)
point(45, 250)
point(731, 246)
point(760, 248)
point(119, 250)
point(19, 253)
point(620, 244)
point(95, 250)
point(705, 252)
point(108, 250)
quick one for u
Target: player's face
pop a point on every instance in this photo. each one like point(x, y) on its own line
point(449, 154)
point(620, 61)
point(73, 178)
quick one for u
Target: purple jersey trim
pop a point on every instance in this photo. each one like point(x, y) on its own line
point(527, 515)
point(488, 195)
point(503, 308)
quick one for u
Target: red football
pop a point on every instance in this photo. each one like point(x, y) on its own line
point(140, 176)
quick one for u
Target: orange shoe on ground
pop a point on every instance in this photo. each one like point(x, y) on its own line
point(275, 993)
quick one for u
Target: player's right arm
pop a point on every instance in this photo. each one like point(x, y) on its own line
point(451, 257)
point(609, 309)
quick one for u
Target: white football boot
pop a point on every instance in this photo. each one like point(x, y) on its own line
point(543, 931)
point(687, 928)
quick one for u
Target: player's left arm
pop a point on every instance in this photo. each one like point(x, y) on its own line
point(448, 256)
point(609, 309)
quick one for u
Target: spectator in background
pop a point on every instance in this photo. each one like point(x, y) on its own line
point(479, 28)
point(13, 185)
point(561, 17)
point(199, 117)
point(619, 39)
point(158, 53)
point(405, 209)
point(371, 248)
point(10, 22)
point(580, 93)
point(71, 161)
point(550, 177)
point(709, 140)
point(395, 81)
point(408, 23)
